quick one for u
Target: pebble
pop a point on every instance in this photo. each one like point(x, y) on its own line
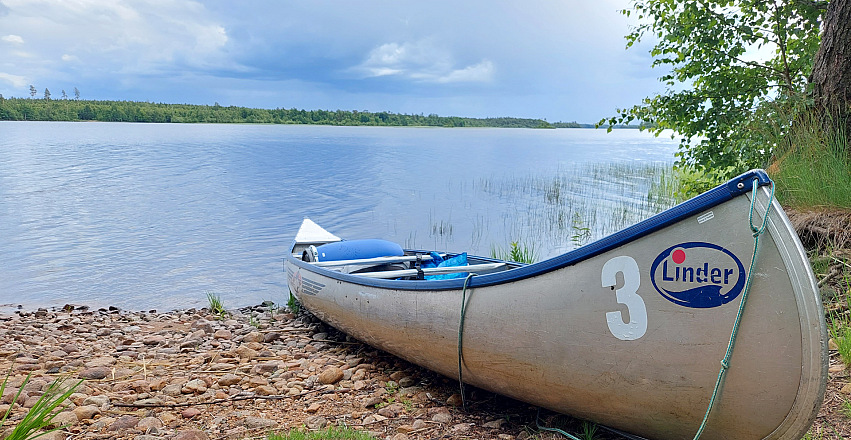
point(124, 422)
point(222, 334)
point(86, 412)
point(259, 422)
point(94, 373)
point(372, 401)
point(195, 386)
point(98, 400)
point(149, 423)
point(189, 413)
point(494, 424)
point(103, 422)
point(228, 380)
point(832, 345)
point(331, 376)
point(455, 400)
point(65, 418)
point(316, 422)
point(191, 435)
point(442, 417)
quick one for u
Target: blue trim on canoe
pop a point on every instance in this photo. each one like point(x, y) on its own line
point(737, 186)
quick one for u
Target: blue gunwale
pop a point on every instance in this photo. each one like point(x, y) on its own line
point(735, 187)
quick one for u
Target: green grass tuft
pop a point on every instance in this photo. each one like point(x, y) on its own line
point(813, 166)
point(517, 252)
point(216, 305)
point(840, 331)
point(293, 304)
point(42, 413)
point(330, 433)
point(589, 431)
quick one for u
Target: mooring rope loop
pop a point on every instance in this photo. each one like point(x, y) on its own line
point(725, 362)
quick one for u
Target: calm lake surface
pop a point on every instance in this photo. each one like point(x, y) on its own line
point(150, 216)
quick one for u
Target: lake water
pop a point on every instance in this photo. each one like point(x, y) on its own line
point(155, 216)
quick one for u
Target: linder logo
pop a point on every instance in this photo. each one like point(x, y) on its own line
point(698, 275)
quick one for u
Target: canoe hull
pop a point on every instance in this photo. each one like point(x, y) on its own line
point(611, 338)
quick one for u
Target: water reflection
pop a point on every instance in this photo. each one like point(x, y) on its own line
point(146, 216)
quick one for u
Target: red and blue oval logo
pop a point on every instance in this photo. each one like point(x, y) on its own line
point(698, 275)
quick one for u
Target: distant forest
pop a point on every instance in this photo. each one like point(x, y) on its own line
point(46, 109)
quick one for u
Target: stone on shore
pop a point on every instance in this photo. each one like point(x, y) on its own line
point(331, 376)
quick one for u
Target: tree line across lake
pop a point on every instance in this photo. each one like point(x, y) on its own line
point(22, 109)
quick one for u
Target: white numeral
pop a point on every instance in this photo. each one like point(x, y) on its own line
point(637, 325)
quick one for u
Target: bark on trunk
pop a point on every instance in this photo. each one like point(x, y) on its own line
point(831, 76)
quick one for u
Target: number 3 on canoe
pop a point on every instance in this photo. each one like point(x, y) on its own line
point(626, 295)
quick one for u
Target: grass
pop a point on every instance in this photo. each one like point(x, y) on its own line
point(517, 252)
point(813, 165)
point(330, 433)
point(581, 233)
point(253, 321)
point(839, 328)
point(811, 436)
point(216, 306)
point(846, 408)
point(42, 413)
point(839, 320)
point(589, 431)
point(293, 304)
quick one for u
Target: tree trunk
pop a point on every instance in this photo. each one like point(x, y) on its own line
point(831, 76)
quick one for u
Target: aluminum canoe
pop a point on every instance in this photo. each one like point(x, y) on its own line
point(628, 331)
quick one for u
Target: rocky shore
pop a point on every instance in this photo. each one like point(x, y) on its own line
point(189, 375)
point(192, 375)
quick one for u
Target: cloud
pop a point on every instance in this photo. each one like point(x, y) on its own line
point(16, 39)
point(482, 72)
point(423, 61)
point(15, 80)
point(117, 36)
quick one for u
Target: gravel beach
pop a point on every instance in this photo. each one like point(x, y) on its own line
point(190, 375)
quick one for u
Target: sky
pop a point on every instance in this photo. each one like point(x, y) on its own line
point(560, 60)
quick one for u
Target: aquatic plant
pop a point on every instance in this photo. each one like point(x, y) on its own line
point(517, 252)
point(581, 233)
point(572, 207)
point(216, 306)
